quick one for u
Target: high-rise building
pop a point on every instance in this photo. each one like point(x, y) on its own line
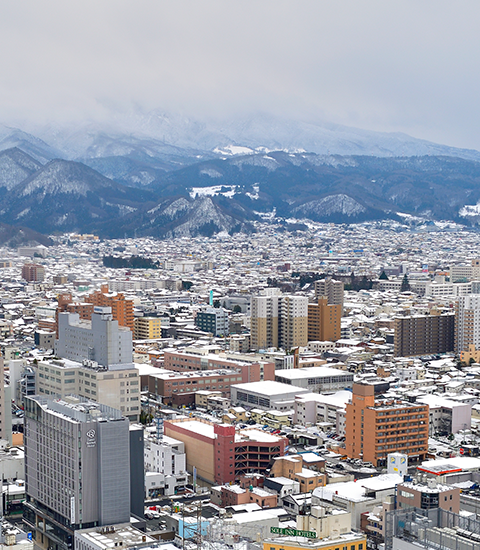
point(293, 321)
point(101, 340)
point(467, 322)
point(330, 288)
point(376, 427)
point(5, 408)
point(33, 273)
point(424, 334)
point(475, 270)
point(279, 320)
point(264, 321)
point(77, 468)
point(122, 309)
point(324, 321)
point(214, 320)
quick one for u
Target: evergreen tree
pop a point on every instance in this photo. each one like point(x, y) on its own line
point(383, 276)
point(405, 284)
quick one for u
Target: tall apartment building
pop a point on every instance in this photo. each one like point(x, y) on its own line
point(5, 408)
point(279, 321)
point(101, 340)
point(293, 321)
point(424, 334)
point(376, 427)
point(33, 273)
point(475, 270)
point(467, 322)
point(147, 328)
point(330, 288)
point(122, 309)
point(214, 320)
point(324, 321)
point(77, 469)
point(264, 321)
point(117, 387)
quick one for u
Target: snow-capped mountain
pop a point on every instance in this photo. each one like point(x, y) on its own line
point(236, 134)
point(168, 175)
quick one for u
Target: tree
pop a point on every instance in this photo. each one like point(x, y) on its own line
point(405, 284)
point(237, 309)
point(383, 276)
point(216, 303)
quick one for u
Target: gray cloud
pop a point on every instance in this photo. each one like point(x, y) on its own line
point(394, 66)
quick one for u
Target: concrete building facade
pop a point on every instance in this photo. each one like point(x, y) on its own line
point(147, 328)
point(332, 289)
point(214, 320)
point(101, 340)
point(424, 334)
point(33, 273)
point(77, 468)
point(117, 386)
point(467, 322)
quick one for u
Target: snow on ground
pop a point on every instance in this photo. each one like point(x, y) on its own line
point(213, 190)
point(469, 210)
point(233, 150)
point(254, 196)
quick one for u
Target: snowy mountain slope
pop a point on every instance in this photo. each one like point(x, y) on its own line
point(16, 166)
point(65, 195)
point(33, 146)
point(230, 135)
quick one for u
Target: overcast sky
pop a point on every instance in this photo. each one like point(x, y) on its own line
point(410, 66)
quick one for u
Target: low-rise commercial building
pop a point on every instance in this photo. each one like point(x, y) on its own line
point(316, 379)
point(266, 395)
point(221, 453)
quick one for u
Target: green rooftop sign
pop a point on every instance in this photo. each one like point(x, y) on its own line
point(293, 532)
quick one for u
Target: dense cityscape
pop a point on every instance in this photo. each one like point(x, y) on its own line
point(305, 385)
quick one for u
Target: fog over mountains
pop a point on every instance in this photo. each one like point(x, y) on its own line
point(164, 175)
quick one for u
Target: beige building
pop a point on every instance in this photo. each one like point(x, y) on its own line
point(293, 325)
point(264, 322)
point(292, 467)
point(467, 322)
point(5, 412)
point(118, 387)
point(279, 321)
point(147, 328)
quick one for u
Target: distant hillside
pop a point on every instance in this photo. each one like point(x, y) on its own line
point(15, 236)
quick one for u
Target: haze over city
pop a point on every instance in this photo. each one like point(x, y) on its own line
point(386, 66)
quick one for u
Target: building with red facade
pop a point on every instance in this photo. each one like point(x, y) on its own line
point(221, 453)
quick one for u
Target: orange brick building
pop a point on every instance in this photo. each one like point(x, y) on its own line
point(377, 427)
point(122, 309)
point(324, 321)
